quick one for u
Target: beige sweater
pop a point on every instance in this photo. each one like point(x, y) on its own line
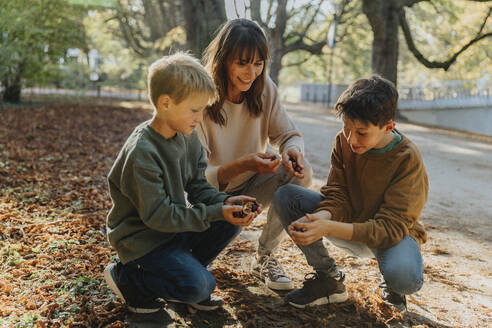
point(382, 194)
point(244, 134)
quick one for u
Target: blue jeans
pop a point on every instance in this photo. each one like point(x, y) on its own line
point(176, 270)
point(401, 265)
point(263, 187)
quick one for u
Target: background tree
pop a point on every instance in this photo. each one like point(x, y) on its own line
point(385, 18)
point(290, 29)
point(153, 27)
point(34, 35)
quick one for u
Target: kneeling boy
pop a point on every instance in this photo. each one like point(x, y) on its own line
point(164, 239)
point(370, 205)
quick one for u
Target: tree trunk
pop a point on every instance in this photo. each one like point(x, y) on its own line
point(275, 65)
point(384, 20)
point(13, 85)
point(202, 19)
point(383, 16)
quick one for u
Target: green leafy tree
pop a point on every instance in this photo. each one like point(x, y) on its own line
point(34, 35)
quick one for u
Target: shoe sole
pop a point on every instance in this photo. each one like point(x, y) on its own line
point(196, 305)
point(273, 284)
point(111, 281)
point(334, 298)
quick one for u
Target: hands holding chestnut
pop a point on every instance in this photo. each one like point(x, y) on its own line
point(312, 227)
point(241, 210)
point(308, 229)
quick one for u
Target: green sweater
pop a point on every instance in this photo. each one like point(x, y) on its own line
point(147, 184)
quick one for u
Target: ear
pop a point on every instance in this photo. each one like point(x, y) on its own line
point(163, 102)
point(390, 126)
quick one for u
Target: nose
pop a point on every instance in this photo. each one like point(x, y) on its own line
point(250, 71)
point(199, 117)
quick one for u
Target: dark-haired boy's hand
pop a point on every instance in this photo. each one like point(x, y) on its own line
point(308, 229)
point(293, 162)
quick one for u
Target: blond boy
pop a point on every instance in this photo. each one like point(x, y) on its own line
point(165, 239)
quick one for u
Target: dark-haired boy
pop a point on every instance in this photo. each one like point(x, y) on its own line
point(370, 205)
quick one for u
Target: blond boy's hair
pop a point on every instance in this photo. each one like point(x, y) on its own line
point(178, 76)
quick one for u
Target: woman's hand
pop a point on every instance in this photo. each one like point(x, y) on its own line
point(293, 162)
point(263, 163)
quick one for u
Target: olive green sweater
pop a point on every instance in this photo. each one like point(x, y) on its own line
point(147, 184)
point(381, 194)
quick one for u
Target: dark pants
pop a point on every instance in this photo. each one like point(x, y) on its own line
point(176, 270)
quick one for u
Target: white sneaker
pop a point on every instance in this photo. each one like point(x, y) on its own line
point(269, 270)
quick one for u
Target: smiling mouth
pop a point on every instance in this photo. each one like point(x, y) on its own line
point(245, 82)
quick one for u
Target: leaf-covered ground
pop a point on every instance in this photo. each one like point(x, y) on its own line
point(53, 248)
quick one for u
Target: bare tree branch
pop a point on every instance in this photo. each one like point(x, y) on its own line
point(408, 3)
point(435, 64)
point(269, 12)
point(235, 8)
point(297, 63)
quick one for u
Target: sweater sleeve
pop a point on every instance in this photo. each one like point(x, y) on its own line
point(335, 192)
point(144, 187)
point(282, 131)
point(199, 190)
point(212, 171)
point(402, 205)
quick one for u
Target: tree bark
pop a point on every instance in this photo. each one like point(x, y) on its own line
point(383, 16)
point(12, 83)
point(202, 19)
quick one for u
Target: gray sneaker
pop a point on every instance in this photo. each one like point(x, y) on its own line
point(318, 289)
point(269, 270)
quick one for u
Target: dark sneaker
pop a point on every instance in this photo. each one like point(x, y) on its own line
point(393, 299)
point(213, 302)
point(318, 289)
point(111, 277)
point(269, 270)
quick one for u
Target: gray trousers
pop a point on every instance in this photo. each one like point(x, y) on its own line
point(263, 187)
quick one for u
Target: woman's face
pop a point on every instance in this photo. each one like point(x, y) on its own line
point(242, 74)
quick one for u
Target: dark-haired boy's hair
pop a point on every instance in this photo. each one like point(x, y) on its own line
point(372, 99)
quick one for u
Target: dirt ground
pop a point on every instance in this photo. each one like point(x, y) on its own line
point(457, 216)
point(53, 202)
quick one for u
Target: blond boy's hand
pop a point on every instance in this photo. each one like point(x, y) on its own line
point(233, 205)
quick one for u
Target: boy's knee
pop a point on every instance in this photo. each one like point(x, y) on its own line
point(404, 279)
point(282, 196)
point(199, 289)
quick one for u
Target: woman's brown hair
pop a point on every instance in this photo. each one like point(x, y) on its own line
point(237, 38)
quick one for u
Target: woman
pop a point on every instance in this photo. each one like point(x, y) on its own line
point(235, 132)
